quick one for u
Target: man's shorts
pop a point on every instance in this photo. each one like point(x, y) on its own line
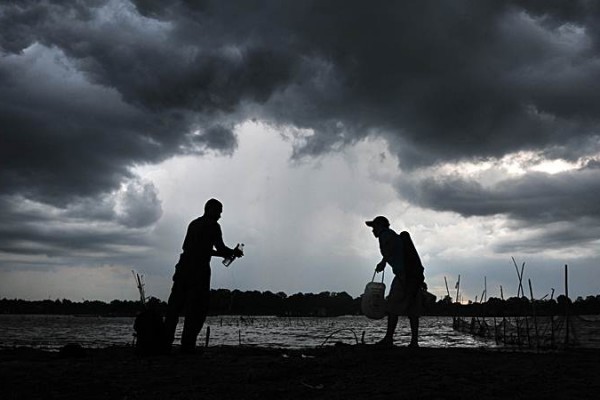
point(399, 303)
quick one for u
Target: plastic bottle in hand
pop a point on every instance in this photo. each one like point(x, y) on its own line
point(227, 261)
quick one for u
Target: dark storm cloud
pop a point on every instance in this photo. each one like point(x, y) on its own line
point(580, 234)
point(563, 207)
point(440, 80)
point(90, 89)
point(536, 196)
point(159, 92)
point(216, 137)
point(85, 225)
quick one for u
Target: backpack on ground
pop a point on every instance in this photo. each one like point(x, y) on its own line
point(150, 334)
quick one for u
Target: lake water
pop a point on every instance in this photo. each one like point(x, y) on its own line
point(54, 331)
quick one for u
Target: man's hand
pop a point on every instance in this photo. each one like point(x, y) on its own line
point(381, 266)
point(238, 252)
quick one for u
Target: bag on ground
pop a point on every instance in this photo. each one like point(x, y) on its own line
point(149, 332)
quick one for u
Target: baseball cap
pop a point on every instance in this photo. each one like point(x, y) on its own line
point(380, 220)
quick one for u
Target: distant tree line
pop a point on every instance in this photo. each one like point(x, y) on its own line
point(223, 302)
point(324, 304)
point(516, 306)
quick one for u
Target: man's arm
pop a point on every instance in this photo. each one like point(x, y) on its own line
point(220, 250)
point(392, 251)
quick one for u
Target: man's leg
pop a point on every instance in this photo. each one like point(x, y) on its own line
point(394, 305)
point(392, 322)
point(414, 311)
point(414, 331)
point(196, 310)
point(174, 307)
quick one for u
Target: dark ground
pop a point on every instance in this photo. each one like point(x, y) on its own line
point(336, 372)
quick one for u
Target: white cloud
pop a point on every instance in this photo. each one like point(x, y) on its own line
point(302, 222)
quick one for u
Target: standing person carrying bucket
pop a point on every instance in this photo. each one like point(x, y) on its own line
point(405, 297)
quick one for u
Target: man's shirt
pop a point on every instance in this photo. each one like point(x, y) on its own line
point(392, 250)
point(203, 234)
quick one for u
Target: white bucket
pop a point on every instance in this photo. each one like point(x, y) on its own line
point(373, 300)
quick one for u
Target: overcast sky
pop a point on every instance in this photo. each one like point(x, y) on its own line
point(474, 125)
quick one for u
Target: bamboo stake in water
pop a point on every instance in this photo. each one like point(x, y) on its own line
point(567, 304)
point(552, 330)
point(495, 331)
point(457, 288)
point(527, 331)
point(552, 321)
point(140, 285)
point(484, 288)
point(503, 317)
point(520, 277)
point(537, 338)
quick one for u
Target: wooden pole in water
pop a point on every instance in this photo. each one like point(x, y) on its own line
point(567, 304)
point(537, 338)
point(521, 280)
point(207, 336)
point(503, 317)
point(552, 321)
point(552, 330)
point(527, 331)
point(519, 293)
point(496, 331)
point(485, 287)
point(457, 288)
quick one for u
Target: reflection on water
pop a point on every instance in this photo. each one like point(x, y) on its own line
point(54, 331)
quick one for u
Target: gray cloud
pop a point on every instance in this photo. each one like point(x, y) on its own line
point(106, 226)
point(563, 208)
point(440, 80)
point(218, 137)
point(139, 206)
point(90, 89)
point(534, 197)
point(579, 234)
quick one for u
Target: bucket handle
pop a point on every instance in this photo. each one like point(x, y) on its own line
point(382, 275)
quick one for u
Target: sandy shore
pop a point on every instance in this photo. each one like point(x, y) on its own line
point(336, 372)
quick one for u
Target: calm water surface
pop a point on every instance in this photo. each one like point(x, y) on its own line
point(54, 331)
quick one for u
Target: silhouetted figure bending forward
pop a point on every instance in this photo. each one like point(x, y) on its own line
point(191, 282)
point(405, 296)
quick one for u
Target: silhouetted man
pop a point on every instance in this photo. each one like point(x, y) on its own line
point(191, 282)
point(405, 293)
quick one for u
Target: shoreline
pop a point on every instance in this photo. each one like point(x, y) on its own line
point(337, 371)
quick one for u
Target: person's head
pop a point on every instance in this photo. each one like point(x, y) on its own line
point(379, 224)
point(213, 209)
